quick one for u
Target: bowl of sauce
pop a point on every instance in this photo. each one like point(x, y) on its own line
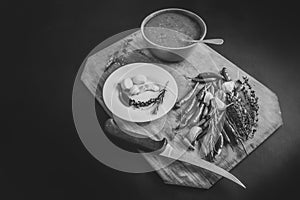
point(167, 32)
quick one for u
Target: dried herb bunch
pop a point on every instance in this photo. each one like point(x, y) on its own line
point(243, 111)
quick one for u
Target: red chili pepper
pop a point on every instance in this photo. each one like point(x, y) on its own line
point(196, 117)
point(205, 75)
point(201, 122)
point(225, 136)
point(219, 145)
point(224, 73)
point(187, 117)
point(203, 81)
point(201, 94)
point(238, 87)
point(189, 107)
point(205, 112)
point(202, 133)
point(230, 132)
point(188, 96)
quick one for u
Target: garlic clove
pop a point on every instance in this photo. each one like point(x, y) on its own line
point(208, 96)
point(193, 133)
point(134, 90)
point(139, 79)
point(127, 84)
point(220, 104)
point(228, 86)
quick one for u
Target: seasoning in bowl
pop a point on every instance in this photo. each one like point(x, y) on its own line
point(172, 29)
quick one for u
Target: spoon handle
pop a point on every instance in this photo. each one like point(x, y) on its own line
point(218, 41)
point(213, 41)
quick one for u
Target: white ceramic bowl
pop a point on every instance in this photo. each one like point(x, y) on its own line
point(173, 54)
point(154, 73)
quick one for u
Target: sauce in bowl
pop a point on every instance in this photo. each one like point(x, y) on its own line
point(171, 29)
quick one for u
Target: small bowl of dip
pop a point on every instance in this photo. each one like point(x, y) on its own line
point(167, 32)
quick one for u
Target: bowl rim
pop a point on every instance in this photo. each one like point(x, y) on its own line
point(153, 14)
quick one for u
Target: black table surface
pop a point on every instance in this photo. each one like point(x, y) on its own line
point(45, 43)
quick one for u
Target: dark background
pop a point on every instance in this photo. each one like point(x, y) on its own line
point(44, 44)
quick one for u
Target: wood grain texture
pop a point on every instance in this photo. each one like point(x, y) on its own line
point(133, 49)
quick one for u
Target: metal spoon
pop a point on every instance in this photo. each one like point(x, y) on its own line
point(208, 41)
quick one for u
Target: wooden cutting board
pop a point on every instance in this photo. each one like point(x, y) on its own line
point(133, 49)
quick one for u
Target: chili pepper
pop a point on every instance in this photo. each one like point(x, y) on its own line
point(194, 140)
point(224, 73)
point(210, 105)
point(212, 90)
point(220, 82)
point(205, 112)
point(201, 92)
point(201, 122)
point(215, 85)
point(225, 136)
point(148, 144)
point(200, 135)
point(197, 115)
point(188, 108)
point(206, 124)
point(201, 95)
point(209, 115)
point(206, 75)
point(194, 131)
point(238, 87)
point(203, 81)
point(187, 117)
point(188, 96)
point(188, 144)
point(230, 132)
point(219, 145)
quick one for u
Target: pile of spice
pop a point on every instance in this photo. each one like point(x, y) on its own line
point(243, 111)
point(155, 101)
